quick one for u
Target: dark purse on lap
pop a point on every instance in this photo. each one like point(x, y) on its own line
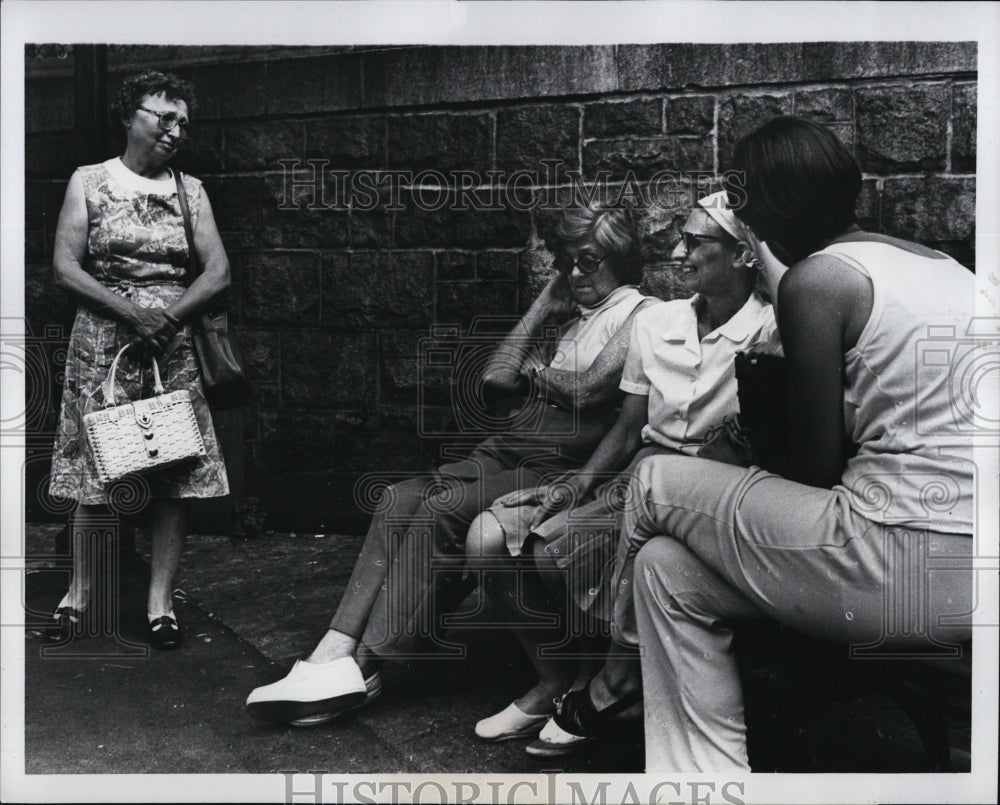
point(762, 389)
point(216, 347)
point(758, 435)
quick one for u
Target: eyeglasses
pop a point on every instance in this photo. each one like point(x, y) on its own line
point(169, 121)
point(693, 241)
point(587, 263)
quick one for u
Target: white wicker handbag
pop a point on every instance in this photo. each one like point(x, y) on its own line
point(143, 435)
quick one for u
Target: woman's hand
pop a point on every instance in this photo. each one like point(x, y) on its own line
point(531, 365)
point(522, 497)
point(565, 493)
point(152, 327)
point(556, 297)
point(772, 347)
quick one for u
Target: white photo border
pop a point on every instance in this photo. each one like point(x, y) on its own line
point(507, 23)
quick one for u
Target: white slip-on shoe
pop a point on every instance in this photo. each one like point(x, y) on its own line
point(554, 741)
point(373, 689)
point(511, 722)
point(310, 689)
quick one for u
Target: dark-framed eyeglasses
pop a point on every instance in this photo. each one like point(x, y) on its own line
point(587, 263)
point(169, 121)
point(692, 241)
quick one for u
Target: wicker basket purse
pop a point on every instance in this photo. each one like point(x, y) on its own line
point(144, 435)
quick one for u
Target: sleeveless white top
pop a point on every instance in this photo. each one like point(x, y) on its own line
point(588, 334)
point(903, 395)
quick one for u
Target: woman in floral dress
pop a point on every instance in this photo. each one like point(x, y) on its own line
point(122, 252)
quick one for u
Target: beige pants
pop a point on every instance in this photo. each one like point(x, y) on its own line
point(717, 543)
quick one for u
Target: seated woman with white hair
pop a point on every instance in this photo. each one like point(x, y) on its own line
point(679, 383)
point(411, 566)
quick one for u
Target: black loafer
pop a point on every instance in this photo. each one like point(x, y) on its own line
point(164, 633)
point(68, 624)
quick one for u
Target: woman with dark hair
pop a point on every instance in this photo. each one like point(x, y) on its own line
point(842, 548)
point(122, 251)
point(679, 384)
point(394, 593)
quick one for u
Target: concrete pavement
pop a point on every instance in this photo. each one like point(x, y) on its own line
point(250, 608)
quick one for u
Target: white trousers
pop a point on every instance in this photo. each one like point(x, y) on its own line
point(720, 543)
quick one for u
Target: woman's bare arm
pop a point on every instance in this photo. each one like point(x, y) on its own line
point(215, 275)
point(614, 452)
point(70, 252)
point(822, 307)
point(504, 371)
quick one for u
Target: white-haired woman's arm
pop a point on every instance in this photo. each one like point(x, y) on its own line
point(506, 369)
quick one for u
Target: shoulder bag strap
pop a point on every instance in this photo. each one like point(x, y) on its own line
point(194, 265)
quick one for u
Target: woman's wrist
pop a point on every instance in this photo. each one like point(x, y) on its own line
point(172, 319)
point(579, 481)
point(129, 314)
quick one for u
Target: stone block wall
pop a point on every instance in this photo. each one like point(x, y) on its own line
point(333, 291)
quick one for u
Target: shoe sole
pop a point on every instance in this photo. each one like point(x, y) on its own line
point(373, 689)
point(528, 732)
point(557, 750)
point(173, 645)
point(289, 712)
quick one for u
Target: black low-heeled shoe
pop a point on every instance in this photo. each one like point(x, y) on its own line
point(165, 633)
point(579, 723)
point(576, 712)
point(68, 624)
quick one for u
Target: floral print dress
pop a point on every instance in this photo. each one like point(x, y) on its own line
point(136, 247)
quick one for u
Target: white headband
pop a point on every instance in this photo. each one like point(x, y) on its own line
point(717, 205)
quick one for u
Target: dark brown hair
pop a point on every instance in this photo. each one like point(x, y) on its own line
point(150, 82)
point(800, 188)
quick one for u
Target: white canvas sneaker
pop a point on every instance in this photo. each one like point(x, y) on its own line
point(309, 690)
point(511, 722)
point(373, 689)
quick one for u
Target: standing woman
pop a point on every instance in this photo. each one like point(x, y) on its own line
point(845, 546)
point(121, 250)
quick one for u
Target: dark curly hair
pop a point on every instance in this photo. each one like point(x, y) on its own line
point(615, 231)
point(150, 82)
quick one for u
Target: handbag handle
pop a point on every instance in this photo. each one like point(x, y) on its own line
point(194, 264)
point(109, 382)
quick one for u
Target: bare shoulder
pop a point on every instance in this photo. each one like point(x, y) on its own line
point(898, 243)
point(824, 276)
point(75, 200)
point(824, 294)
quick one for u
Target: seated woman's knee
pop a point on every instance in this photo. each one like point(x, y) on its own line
point(660, 557)
point(486, 537)
point(663, 471)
